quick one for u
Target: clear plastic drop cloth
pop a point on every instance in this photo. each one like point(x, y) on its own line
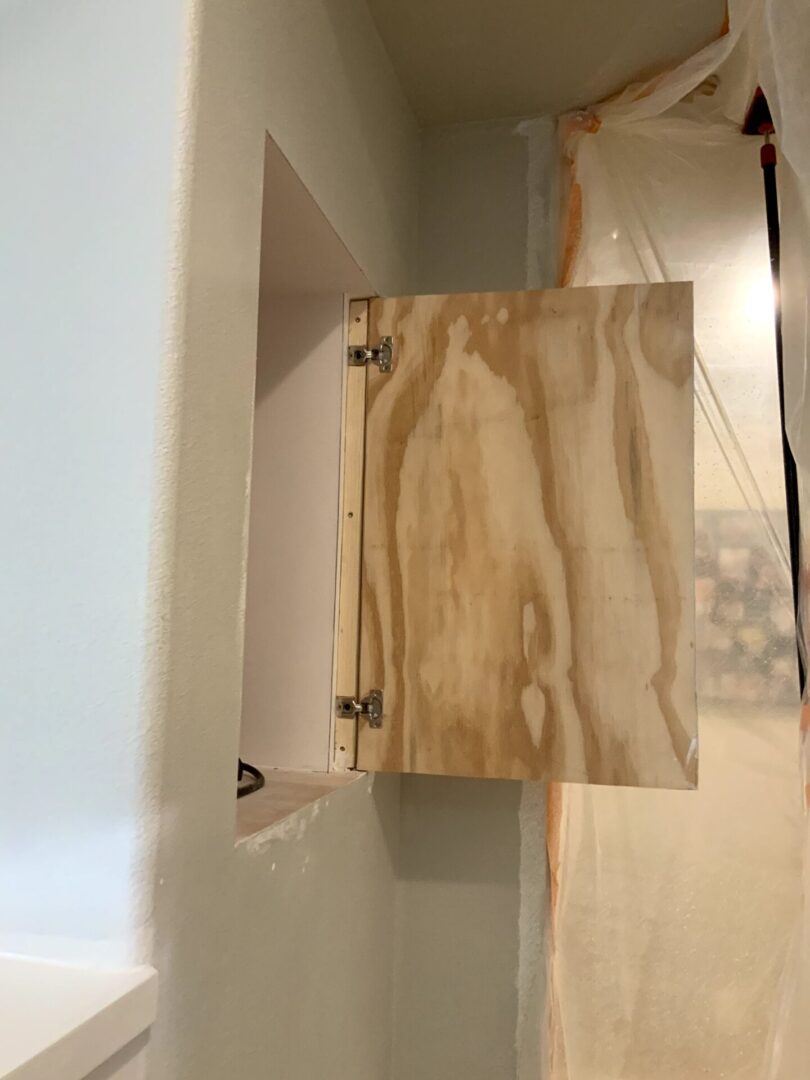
point(679, 924)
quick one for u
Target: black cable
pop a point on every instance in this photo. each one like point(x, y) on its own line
point(768, 162)
point(255, 785)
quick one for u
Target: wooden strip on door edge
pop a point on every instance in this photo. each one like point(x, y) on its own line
point(347, 632)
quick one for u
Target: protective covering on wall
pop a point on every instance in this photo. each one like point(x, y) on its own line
point(679, 932)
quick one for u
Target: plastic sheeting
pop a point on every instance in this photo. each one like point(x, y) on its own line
point(679, 925)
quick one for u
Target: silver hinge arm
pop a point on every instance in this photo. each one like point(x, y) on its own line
point(382, 355)
point(371, 707)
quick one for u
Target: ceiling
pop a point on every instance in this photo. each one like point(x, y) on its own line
point(466, 60)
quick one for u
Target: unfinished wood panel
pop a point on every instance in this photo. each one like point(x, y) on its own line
point(527, 574)
point(351, 503)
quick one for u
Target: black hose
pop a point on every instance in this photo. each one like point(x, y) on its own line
point(256, 784)
point(768, 162)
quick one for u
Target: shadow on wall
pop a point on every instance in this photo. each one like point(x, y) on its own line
point(447, 826)
point(279, 353)
point(457, 948)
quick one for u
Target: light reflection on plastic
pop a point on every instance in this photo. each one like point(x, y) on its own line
point(758, 303)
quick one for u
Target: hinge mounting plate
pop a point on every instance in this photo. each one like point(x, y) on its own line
point(370, 707)
point(382, 355)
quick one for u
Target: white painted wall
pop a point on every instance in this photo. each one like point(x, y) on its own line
point(313, 950)
point(88, 92)
point(470, 942)
point(482, 189)
point(127, 672)
point(457, 946)
point(473, 208)
point(275, 960)
point(118, 450)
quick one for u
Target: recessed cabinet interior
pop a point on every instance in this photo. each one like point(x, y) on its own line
point(516, 559)
point(497, 536)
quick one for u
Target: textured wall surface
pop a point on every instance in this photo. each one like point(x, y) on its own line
point(130, 418)
point(84, 216)
point(275, 960)
point(225, 928)
point(281, 964)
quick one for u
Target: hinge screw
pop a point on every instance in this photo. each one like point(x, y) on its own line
point(371, 707)
point(382, 355)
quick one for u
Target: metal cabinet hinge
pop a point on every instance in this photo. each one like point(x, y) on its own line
point(370, 707)
point(382, 355)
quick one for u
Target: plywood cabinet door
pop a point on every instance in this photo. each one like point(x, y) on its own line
point(526, 582)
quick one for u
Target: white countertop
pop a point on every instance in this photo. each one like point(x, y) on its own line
point(59, 1022)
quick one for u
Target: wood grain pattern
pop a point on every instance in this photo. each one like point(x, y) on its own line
point(351, 525)
point(527, 575)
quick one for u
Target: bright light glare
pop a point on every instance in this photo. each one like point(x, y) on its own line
point(758, 301)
